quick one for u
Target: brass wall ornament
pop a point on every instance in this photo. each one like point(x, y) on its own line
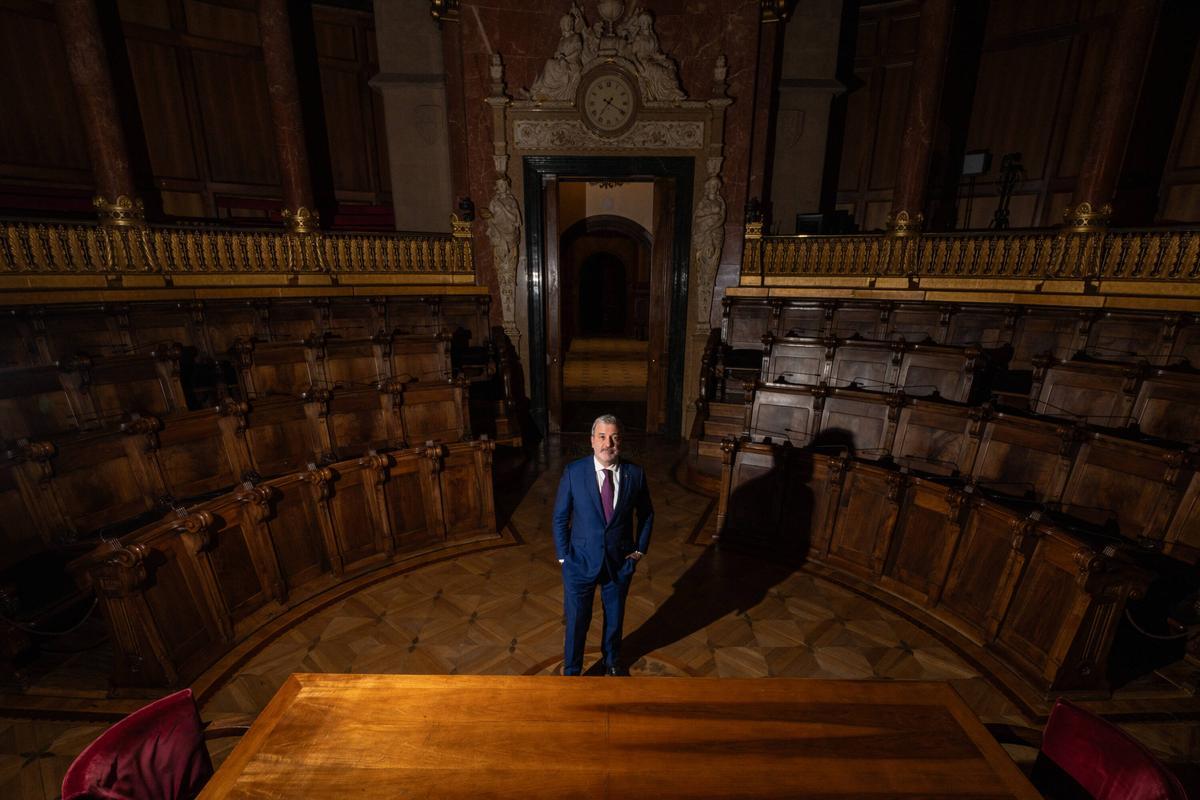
point(1083, 218)
point(301, 220)
point(902, 224)
point(125, 211)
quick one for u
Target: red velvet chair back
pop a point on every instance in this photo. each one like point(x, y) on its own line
point(156, 753)
point(1099, 758)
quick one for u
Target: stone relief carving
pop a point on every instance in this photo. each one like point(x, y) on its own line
point(708, 239)
point(580, 47)
point(571, 134)
point(560, 76)
point(503, 217)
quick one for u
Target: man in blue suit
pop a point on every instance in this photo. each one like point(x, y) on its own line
point(596, 542)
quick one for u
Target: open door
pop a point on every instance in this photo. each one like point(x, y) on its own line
point(660, 304)
point(554, 337)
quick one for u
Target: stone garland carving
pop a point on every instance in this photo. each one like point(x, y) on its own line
point(708, 239)
point(581, 46)
point(503, 218)
point(573, 135)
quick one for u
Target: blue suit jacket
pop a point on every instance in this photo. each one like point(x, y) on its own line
point(581, 538)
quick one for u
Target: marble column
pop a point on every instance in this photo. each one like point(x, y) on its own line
point(1132, 33)
point(275, 31)
point(116, 199)
point(916, 145)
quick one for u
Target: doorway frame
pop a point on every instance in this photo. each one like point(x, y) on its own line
point(537, 167)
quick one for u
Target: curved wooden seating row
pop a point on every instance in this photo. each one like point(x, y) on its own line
point(1041, 600)
point(1161, 338)
point(1164, 403)
point(1146, 491)
point(947, 371)
point(181, 591)
point(44, 335)
point(69, 487)
point(87, 393)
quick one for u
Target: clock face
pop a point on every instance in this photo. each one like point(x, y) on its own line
point(608, 103)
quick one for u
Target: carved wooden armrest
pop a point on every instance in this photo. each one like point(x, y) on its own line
point(235, 725)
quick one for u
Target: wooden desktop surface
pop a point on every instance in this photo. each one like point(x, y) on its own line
point(392, 736)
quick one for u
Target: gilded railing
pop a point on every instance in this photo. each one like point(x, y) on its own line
point(45, 248)
point(1119, 254)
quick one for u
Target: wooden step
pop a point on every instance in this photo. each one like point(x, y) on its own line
point(726, 410)
point(723, 427)
point(710, 447)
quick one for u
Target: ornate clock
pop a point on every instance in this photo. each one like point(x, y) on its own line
point(608, 101)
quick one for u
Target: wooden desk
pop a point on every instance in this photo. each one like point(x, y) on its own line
point(393, 736)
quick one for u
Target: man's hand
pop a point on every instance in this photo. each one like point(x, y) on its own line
point(636, 555)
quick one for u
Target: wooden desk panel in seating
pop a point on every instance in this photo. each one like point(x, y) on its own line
point(864, 320)
point(388, 736)
point(744, 323)
point(1095, 393)
point(1045, 331)
point(1168, 406)
point(1129, 484)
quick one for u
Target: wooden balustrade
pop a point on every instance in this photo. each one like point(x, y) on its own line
point(180, 591)
point(1135, 489)
point(1043, 600)
point(1170, 256)
point(47, 255)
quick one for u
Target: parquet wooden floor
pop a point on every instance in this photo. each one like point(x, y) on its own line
point(693, 610)
point(609, 369)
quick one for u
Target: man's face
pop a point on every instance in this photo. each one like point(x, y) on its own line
point(606, 443)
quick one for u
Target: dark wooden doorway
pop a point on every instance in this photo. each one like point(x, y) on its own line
point(667, 294)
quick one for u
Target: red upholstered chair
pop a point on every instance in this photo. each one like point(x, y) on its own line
point(156, 753)
point(1083, 756)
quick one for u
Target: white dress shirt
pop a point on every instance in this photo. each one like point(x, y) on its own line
point(616, 477)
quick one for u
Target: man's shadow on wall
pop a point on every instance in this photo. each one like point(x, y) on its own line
point(762, 541)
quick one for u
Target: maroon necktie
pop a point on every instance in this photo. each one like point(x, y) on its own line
point(606, 496)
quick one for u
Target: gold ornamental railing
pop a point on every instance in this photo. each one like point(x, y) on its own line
point(1158, 255)
point(33, 248)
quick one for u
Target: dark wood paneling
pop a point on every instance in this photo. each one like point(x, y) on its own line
point(349, 128)
point(164, 109)
point(41, 126)
point(234, 104)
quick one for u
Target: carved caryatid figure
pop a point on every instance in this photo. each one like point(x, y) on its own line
point(708, 239)
point(560, 76)
point(503, 218)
